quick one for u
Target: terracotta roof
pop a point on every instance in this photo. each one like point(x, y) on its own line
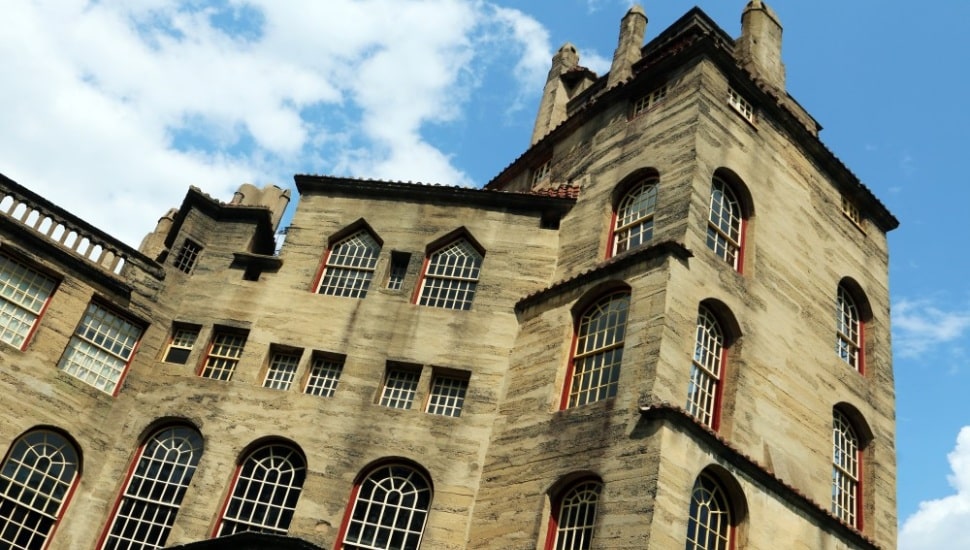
point(664, 410)
point(565, 191)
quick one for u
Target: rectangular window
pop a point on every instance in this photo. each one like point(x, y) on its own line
point(399, 268)
point(224, 353)
point(540, 172)
point(101, 348)
point(741, 105)
point(648, 101)
point(183, 340)
point(851, 210)
point(185, 260)
point(324, 375)
point(23, 296)
point(282, 369)
point(447, 395)
point(400, 385)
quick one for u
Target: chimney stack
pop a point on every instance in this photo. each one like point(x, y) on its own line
point(633, 28)
point(555, 96)
point(759, 48)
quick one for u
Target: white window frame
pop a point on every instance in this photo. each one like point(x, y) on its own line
point(634, 216)
point(24, 295)
point(281, 369)
point(381, 519)
point(710, 516)
point(183, 339)
point(349, 267)
point(222, 357)
point(741, 105)
point(649, 100)
point(101, 349)
point(261, 502)
point(575, 516)
point(451, 276)
point(324, 376)
point(400, 386)
point(703, 393)
point(846, 460)
point(447, 395)
point(725, 224)
point(595, 366)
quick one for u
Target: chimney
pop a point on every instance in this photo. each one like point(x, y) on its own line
point(759, 48)
point(555, 96)
point(633, 27)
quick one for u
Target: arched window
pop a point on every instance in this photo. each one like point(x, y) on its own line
point(710, 525)
point(849, 332)
point(451, 276)
point(573, 516)
point(37, 477)
point(594, 372)
point(265, 491)
point(349, 266)
point(725, 223)
point(390, 507)
point(153, 493)
point(846, 465)
point(634, 216)
point(703, 394)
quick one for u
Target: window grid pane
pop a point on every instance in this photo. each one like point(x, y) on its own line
point(709, 525)
point(452, 277)
point(634, 217)
point(183, 340)
point(399, 269)
point(154, 492)
point(282, 368)
point(100, 349)
point(741, 105)
point(447, 396)
point(845, 469)
point(848, 331)
point(223, 355)
point(34, 481)
point(577, 515)
point(187, 255)
point(705, 370)
point(599, 351)
point(324, 375)
point(23, 293)
point(266, 492)
point(648, 101)
point(724, 225)
point(390, 510)
point(350, 266)
point(400, 386)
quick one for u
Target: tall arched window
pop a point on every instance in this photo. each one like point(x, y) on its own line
point(349, 266)
point(725, 223)
point(153, 493)
point(634, 216)
point(451, 276)
point(849, 329)
point(37, 477)
point(846, 465)
point(709, 526)
point(573, 516)
point(265, 491)
point(703, 393)
point(594, 372)
point(390, 507)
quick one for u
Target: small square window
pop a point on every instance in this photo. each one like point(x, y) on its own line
point(188, 254)
point(324, 375)
point(399, 268)
point(183, 340)
point(447, 395)
point(540, 172)
point(400, 386)
point(851, 210)
point(281, 370)
point(648, 101)
point(223, 356)
point(741, 105)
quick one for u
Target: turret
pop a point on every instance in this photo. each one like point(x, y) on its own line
point(759, 48)
point(633, 27)
point(555, 96)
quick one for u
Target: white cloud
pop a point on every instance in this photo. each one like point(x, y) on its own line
point(112, 108)
point(942, 523)
point(919, 325)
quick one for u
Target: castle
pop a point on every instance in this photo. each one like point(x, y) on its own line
point(665, 324)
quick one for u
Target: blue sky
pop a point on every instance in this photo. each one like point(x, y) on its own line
point(112, 108)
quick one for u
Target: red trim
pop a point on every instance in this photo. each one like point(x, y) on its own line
point(348, 512)
point(205, 356)
point(121, 494)
point(318, 278)
point(420, 285)
point(40, 314)
point(64, 504)
point(861, 360)
point(610, 245)
point(552, 531)
point(124, 372)
point(570, 367)
point(858, 489)
point(225, 504)
point(719, 391)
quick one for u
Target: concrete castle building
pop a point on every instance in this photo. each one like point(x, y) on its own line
point(666, 321)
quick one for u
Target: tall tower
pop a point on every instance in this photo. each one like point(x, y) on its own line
point(722, 286)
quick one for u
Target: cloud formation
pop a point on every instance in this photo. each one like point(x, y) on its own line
point(919, 325)
point(112, 108)
point(942, 524)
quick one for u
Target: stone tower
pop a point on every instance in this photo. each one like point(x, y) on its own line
point(666, 323)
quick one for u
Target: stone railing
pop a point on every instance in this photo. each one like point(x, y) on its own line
point(64, 229)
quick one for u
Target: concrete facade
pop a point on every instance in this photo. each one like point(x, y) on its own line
point(544, 229)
